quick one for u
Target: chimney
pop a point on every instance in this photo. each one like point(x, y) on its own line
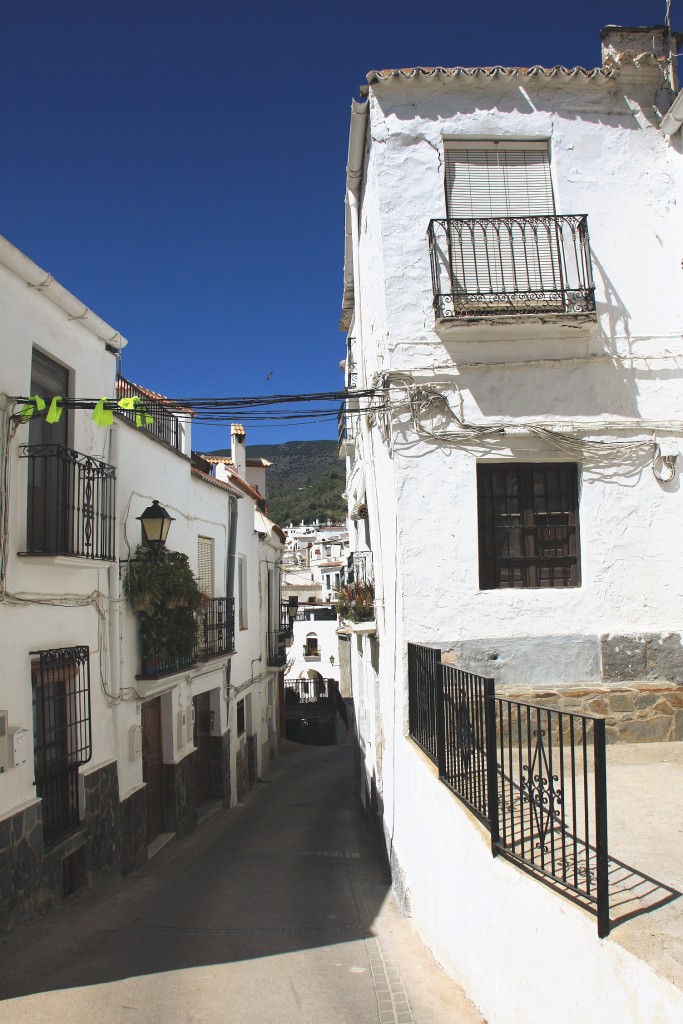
point(238, 448)
point(618, 42)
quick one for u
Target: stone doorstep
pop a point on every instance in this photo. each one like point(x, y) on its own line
point(162, 840)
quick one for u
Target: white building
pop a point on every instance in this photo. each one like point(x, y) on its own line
point(513, 293)
point(106, 751)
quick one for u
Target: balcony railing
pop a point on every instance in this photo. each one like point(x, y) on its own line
point(347, 427)
point(70, 503)
point(511, 265)
point(359, 567)
point(217, 628)
point(277, 648)
point(165, 425)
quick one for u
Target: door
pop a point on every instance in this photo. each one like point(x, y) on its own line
point(153, 766)
point(202, 739)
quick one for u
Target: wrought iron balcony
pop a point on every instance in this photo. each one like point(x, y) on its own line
point(70, 503)
point(165, 425)
point(495, 266)
point(277, 648)
point(347, 423)
point(217, 628)
point(359, 567)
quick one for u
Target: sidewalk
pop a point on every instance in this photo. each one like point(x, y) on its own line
point(279, 911)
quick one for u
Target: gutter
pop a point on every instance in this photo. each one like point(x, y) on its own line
point(673, 119)
point(41, 281)
point(354, 180)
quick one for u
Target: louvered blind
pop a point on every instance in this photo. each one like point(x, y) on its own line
point(489, 179)
point(509, 257)
point(205, 565)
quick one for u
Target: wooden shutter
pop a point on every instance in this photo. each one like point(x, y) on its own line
point(205, 547)
point(486, 181)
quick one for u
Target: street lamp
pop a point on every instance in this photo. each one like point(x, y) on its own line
point(155, 522)
point(332, 659)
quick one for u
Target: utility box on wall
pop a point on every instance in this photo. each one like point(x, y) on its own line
point(4, 742)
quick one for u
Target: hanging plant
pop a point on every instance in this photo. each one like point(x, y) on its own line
point(356, 602)
point(161, 578)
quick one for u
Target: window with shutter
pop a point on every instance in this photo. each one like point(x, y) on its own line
point(205, 561)
point(502, 236)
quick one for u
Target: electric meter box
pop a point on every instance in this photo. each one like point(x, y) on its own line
point(20, 744)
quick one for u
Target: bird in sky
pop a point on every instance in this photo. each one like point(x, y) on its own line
point(269, 376)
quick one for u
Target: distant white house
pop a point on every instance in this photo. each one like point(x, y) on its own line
point(513, 293)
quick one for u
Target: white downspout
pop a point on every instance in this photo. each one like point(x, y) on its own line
point(114, 609)
point(673, 119)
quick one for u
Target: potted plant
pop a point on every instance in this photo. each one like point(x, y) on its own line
point(164, 592)
point(356, 601)
point(143, 583)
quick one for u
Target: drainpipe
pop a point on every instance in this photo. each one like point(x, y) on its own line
point(232, 547)
point(114, 609)
point(673, 119)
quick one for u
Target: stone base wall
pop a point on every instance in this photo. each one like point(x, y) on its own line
point(642, 711)
point(133, 812)
point(21, 858)
point(102, 820)
point(32, 877)
point(180, 795)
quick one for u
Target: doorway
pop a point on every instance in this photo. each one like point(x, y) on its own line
point(153, 766)
point(203, 720)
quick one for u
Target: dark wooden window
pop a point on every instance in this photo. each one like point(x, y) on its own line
point(240, 718)
point(528, 525)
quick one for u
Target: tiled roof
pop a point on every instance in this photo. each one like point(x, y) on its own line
point(559, 71)
point(217, 460)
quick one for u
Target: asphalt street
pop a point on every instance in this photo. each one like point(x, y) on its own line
point(279, 910)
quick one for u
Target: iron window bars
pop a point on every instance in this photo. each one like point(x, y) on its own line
point(535, 776)
point(216, 628)
point(528, 525)
point(70, 508)
point(60, 680)
point(483, 266)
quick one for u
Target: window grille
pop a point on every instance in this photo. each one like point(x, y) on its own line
point(240, 718)
point(60, 680)
point(528, 525)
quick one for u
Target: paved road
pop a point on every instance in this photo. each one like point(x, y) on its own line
point(279, 911)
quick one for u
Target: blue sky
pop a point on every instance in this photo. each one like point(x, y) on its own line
point(179, 166)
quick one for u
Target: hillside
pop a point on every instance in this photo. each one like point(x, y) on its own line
point(305, 481)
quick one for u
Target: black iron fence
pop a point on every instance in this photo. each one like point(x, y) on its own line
point(70, 508)
point(165, 425)
point(422, 697)
point(217, 628)
point(535, 776)
point(513, 265)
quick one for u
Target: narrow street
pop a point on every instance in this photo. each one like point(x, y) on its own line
point(278, 911)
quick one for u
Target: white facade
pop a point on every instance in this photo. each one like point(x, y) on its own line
point(315, 560)
point(595, 392)
point(216, 716)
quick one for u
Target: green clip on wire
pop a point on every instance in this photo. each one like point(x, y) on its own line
point(34, 404)
point(101, 415)
point(54, 413)
point(142, 419)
